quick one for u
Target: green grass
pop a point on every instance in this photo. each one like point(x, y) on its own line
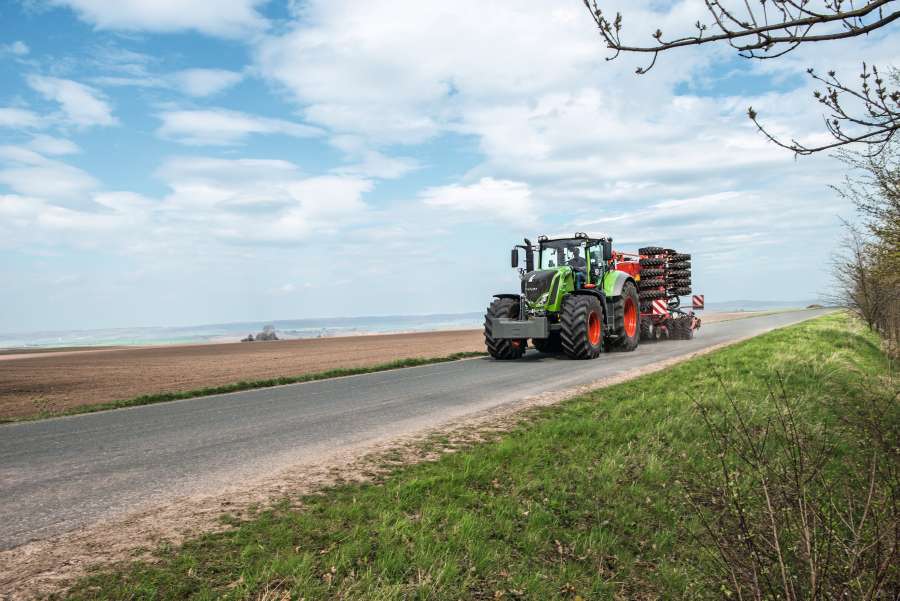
point(580, 500)
point(162, 397)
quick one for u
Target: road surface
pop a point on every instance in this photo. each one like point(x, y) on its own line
point(59, 474)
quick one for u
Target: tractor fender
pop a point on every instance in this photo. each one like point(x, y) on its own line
point(587, 292)
point(507, 295)
point(614, 281)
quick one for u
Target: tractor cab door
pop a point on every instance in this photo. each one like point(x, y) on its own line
point(596, 263)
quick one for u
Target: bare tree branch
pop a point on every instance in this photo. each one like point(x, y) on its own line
point(869, 115)
point(751, 39)
point(765, 29)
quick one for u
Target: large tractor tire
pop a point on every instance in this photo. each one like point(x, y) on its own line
point(581, 318)
point(502, 348)
point(550, 345)
point(628, 319)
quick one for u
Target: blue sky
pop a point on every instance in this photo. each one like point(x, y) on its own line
point(167, 163)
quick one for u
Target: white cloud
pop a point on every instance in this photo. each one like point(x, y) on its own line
point(225, 127)
point(376, 164)
point(17, 48)
point(115, 81)
point(206, 82)
point(28, 173)
point(371, 163)
point(82, 105)
point(17, 118)
point(405, 71)
point(211, 203)
point(53, 146)
point(197, 83)
point(499, 200)
point(225, 18)
point(258, 200)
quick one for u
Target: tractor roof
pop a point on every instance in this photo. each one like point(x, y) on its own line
point(577, 236)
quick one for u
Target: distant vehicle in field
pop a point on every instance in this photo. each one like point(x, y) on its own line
point(268, 333)
point(582, 296)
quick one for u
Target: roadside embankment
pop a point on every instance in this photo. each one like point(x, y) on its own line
point(624, 492)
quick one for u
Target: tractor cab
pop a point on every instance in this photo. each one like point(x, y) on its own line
point(563, 264)
point(585, 256)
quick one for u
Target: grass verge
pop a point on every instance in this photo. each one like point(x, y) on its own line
point(162, 397)
point(585, 500)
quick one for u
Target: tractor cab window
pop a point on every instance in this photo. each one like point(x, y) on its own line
point(558, 253)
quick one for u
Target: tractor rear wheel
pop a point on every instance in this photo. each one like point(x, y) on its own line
point(550, 345)
point(628, 319)
point(502, 348)
point(581, 319)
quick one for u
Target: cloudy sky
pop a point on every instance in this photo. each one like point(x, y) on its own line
point(167, 162)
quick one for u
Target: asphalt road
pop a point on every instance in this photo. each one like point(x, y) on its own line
point(60, 474)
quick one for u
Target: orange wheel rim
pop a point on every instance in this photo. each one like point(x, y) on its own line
point(630, 317)
point(593, 328)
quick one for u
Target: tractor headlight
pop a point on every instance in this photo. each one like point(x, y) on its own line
point(542, 299)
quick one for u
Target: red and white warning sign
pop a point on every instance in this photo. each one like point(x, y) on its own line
point(698, 301)
point(660, 306)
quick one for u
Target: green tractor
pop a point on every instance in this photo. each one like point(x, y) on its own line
point(573, 300)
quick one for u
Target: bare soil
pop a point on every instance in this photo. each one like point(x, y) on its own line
point(31, 383)
point(54, 380)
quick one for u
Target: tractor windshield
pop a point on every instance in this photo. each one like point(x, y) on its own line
point(556, 253)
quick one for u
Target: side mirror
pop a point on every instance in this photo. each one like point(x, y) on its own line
point(607, 250)
point(514, 258)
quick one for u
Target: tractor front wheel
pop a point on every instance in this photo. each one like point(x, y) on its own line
point(581, 319)
point(502, 348)
point(628, 319)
